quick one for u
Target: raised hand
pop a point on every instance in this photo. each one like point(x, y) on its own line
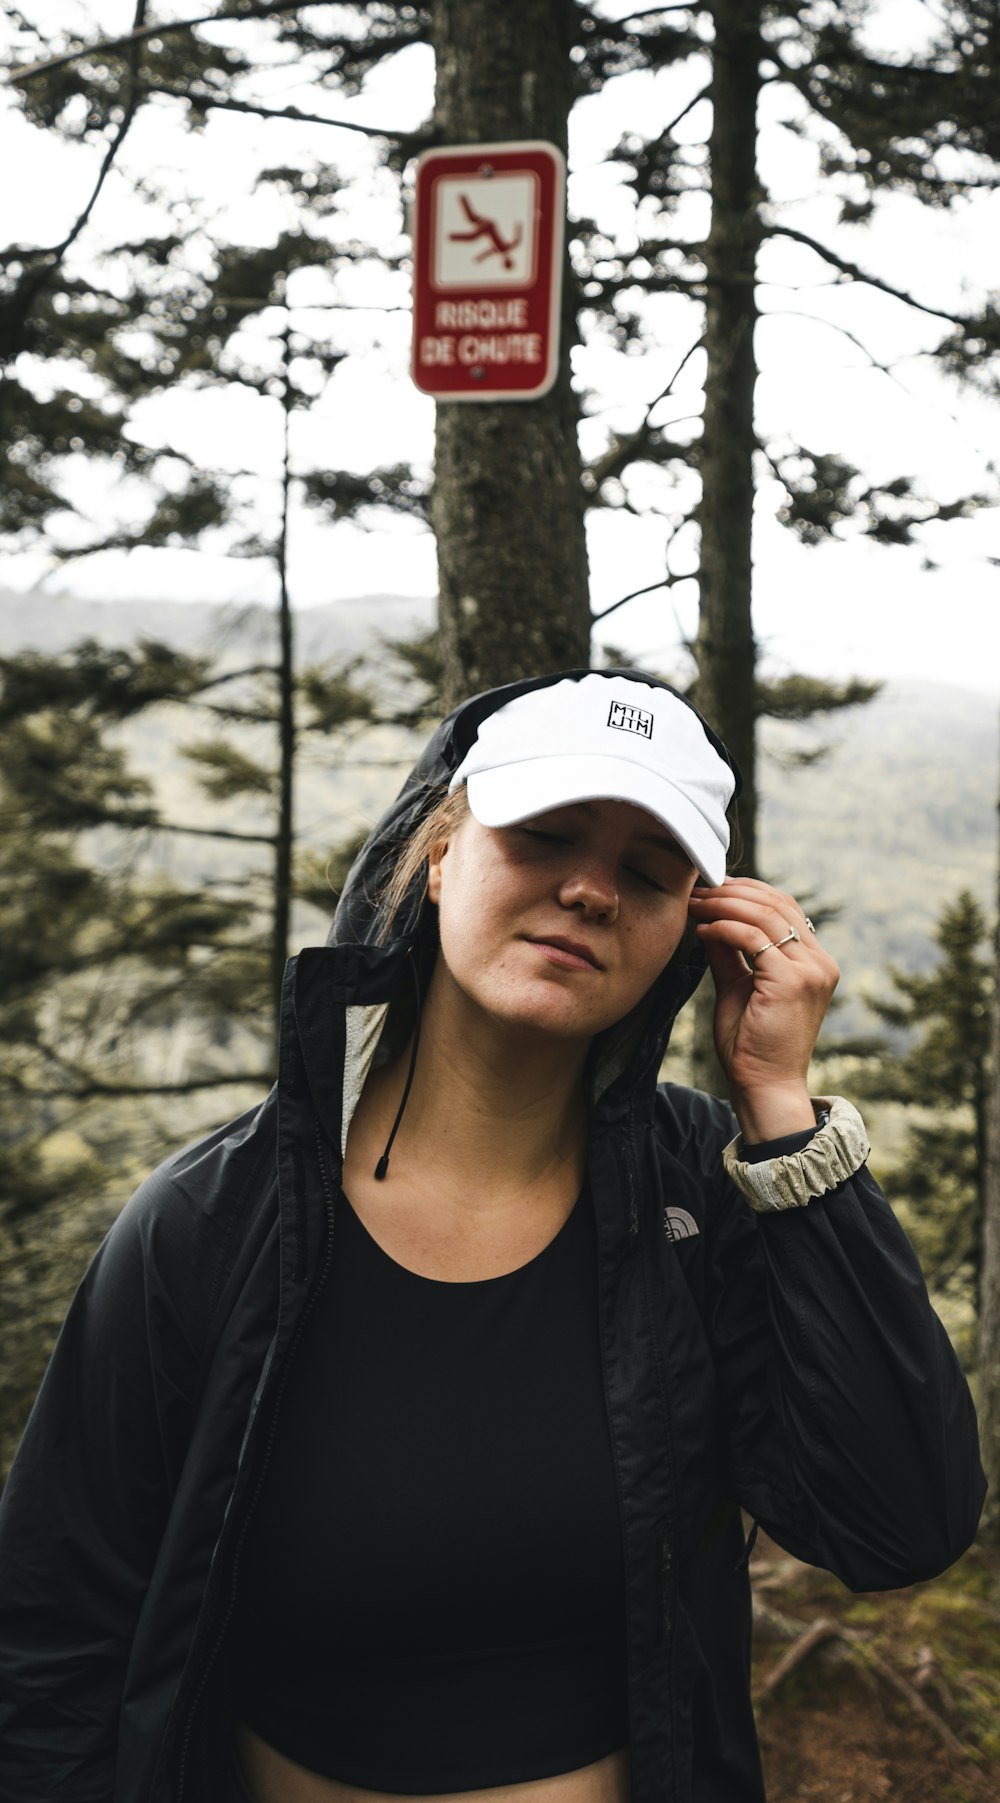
point(773, 984)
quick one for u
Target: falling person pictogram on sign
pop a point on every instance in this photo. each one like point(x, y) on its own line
point(485, 231)
point(483, 227)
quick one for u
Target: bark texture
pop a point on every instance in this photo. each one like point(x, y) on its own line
point(726, 653)
point(507, 505)
point(725, 649)
point(284, 837)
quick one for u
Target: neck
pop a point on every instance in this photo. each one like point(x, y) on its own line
point(485, 1097)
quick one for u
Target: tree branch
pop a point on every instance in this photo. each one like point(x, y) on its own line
point(655, 12)
point(24, 296)
point(816, 1635)
point(139, 1089)
point(822, 1631)
point(210, 832)
point(215, 682)
point(883, 369)
point(685, 110)
point(688, 354)
point(217, 103)
point(140, 33)
point(57, 250)
point(624, 449)
point(650, 589)
point(857, 274)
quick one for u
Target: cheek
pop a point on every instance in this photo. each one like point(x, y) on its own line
point(485, 904)
point(468, 910)
point(477, 887)
point(656, 945)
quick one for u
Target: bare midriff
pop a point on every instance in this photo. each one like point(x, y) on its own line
point(271, 1778)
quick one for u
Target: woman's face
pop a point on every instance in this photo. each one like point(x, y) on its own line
point(560, 924)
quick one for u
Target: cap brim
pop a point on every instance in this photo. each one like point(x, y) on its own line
point(514, 792)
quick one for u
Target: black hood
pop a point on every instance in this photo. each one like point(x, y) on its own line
point(359, 919)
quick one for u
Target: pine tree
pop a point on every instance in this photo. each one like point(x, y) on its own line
point(134, 1007)
point(919, 125)
point(942, 1076)
point(91, 945)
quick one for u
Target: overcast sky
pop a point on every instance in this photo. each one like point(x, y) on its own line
point(852, 608)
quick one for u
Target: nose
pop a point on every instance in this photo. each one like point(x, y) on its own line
point(592, 889)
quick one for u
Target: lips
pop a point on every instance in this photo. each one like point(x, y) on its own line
point(575, 953)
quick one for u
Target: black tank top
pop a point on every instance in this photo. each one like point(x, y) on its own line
point(432, 1596)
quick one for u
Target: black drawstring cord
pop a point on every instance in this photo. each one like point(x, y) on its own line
point(381, 1169)
point(744, 1559)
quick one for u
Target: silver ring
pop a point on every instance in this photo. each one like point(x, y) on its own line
point(809, 924)
point(791, 934)
point(751, 957)
point(771, 946)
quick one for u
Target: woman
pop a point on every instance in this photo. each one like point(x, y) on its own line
point(397, 1439)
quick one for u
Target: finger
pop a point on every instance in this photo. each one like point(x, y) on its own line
point(767, 920)
point(750, 890)
point(727, 964)
point(747, 892)
point(746, 938)
point(793, 969)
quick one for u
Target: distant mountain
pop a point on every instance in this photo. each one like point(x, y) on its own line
point(52, 623)
point(895, 819)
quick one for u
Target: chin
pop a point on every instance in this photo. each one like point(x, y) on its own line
point(549, 1017)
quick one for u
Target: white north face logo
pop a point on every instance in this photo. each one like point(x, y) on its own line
point(678, 1224)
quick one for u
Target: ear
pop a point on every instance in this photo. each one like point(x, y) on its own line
point(435, 859)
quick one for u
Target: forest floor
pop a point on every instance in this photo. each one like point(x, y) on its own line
point(892, 1696)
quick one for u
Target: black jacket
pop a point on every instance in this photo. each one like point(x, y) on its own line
point(790, 1365)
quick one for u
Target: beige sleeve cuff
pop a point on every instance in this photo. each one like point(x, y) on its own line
point(834, 1153)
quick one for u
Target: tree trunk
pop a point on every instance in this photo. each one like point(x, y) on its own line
point(725, 650)
point(285, 824)
point(507, 505)
point(989, 1316)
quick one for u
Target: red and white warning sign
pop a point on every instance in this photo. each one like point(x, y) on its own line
point(487, 256)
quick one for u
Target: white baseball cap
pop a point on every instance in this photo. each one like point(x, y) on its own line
point(603, 738)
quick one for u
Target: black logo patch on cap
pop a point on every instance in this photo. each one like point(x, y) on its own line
point(630, 719)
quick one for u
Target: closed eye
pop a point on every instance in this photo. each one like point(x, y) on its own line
point(548, 838)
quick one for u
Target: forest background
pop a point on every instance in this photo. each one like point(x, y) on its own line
point(246, 566)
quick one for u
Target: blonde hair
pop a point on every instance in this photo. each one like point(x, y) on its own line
point(445, 816)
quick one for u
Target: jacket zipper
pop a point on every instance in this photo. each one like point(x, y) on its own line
point(666, 1575)
point(265, 1458)
point(632, 1181)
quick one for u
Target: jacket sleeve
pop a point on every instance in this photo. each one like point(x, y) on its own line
point(83, 1511)
point(852, 1433)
